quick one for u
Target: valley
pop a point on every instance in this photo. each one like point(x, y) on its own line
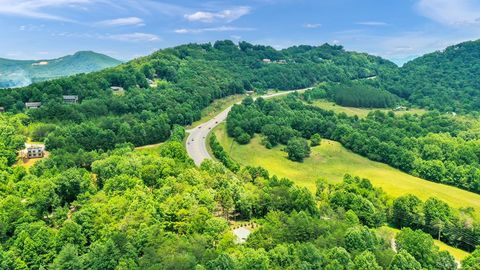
point(129, 182)
point(331, 161)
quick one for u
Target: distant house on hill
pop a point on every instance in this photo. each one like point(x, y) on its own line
point(282, 62)
point(267, 61)
point(250, 92)
point(2, 109)
point(33, 105)
point(116, 88)
point(70, 99)
point(151, 83)
point(33, 151)
point(400, 108)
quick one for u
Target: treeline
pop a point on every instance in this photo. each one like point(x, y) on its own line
point(438, 219)
point(129, 210)
point(456, 227)
point(432, 146)
point(221, 154)
point(105, 133)
point(354, 94)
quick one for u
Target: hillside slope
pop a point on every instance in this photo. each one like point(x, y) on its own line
point(17, 73)
point(445, 80)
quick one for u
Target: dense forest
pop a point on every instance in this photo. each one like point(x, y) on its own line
point(444, 80)
point(188, 78)
point(97, 203)
point(130, 210)
point(354, 94)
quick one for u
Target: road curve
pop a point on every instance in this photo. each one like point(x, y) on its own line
point(197, 138)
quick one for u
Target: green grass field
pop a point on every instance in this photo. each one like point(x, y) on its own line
point(149, 149)
point(360, 112)
point(331, 161)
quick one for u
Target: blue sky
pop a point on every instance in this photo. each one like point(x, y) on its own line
point(395, 29)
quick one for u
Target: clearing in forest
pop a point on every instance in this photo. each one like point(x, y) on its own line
point(332, 161)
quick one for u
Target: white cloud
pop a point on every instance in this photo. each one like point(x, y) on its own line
point(227, 15)
point(372, 23)
point(450, 12)
point(129, 21)
point(312, 25)
point(211, 29)
point(35, 8)
point(134, 37)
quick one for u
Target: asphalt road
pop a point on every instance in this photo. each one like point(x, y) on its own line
point(197, 138)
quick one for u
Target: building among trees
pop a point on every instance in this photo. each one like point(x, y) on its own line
point(33, 151)
point(33, 105)
point(70, 99)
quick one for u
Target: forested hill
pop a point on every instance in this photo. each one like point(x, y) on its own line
point(445, 80)
point(171, 87)
point(17, 73)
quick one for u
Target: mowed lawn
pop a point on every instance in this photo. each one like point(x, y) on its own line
point(360, 112)
point(331, 161)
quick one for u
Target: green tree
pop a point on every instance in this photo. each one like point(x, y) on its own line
point(420, 245)
point(297, 149)
point(73, 182)
point(408, 212)
point(404, 261)
point(316, 139)
point(243, 138)
point(358, 239)
point(366, 261)
point(472, 262)
point(67, 259)
point(222, 262)
point(437, 216)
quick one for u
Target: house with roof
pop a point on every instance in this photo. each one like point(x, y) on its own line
point(33, 105)
point(242, 234)
point(2, 109)
point(33, 151)
point(70, 99)
point(116, 88)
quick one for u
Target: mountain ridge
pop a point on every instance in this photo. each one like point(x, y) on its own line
point(18, 73)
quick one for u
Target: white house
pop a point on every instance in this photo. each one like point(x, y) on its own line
point(242, 234)
point(70, 99)
point(33, 105)
point(33, 151)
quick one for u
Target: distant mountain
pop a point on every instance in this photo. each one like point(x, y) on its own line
point(445, 80)
point(17, 73)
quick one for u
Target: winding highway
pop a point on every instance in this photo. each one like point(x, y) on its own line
point(197, 138)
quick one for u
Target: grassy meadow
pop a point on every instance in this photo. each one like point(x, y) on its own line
point(331, 161)
point(360, 112)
